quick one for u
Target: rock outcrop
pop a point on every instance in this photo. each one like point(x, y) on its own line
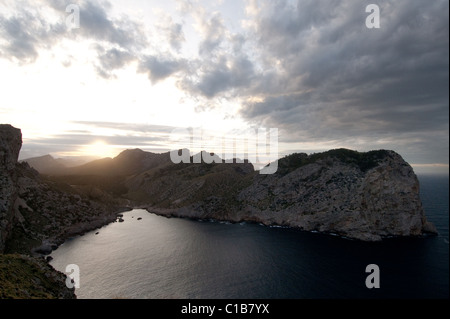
point(366, 196)
point(25, 277)
point(10, 144)
point(336, 194)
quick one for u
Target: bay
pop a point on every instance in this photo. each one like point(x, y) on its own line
point(149, 256)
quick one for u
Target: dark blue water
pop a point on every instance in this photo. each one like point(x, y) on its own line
point(158, 257)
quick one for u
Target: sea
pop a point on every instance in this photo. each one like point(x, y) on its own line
point(150, 256)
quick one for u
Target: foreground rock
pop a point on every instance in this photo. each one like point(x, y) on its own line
point(10, 144)
point(25, 277)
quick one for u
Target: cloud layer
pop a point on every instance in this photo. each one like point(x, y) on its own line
point(309, 67)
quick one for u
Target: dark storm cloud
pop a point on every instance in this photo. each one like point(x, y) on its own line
point(212, 78)
point(318, 73)
point(351, 80)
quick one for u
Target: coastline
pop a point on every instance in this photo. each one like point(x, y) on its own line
point(52, 243)
point(188, 214)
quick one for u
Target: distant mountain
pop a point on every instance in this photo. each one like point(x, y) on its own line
point(72, 161)
point(48, 165)
point(129, 162)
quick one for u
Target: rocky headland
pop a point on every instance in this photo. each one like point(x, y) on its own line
point(366, 196)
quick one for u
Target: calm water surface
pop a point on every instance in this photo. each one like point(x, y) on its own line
point(157, 257)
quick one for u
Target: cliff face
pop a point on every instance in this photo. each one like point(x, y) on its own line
point(365, 196)
point(339, 195)
point(20, 276)
point(35, 211)
point(10, 144)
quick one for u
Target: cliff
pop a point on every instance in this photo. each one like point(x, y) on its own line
point(25, 277)
point(10, 144)
point(37, 214)
point(366, 196)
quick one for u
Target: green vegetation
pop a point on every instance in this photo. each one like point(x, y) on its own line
point(364, 160)
point(23, 277)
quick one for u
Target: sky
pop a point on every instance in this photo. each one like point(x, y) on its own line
point(134, 74)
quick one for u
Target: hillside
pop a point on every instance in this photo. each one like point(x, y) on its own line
point(366, 196)
point(36, 215)
point(178, 185)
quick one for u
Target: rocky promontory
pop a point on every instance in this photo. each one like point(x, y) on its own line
point(366, 196)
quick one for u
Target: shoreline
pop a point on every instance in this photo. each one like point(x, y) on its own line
point(50, 244)
point(174, 213)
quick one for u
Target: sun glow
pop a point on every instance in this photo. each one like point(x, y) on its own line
point(99, 149)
